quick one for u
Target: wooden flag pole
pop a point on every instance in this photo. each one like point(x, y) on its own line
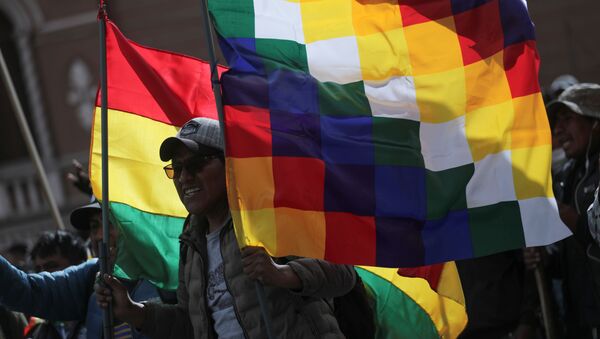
point(33, 152)
point(545, 305)
point(214, 78)
point(107, 313)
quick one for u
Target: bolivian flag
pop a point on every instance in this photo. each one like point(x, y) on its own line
point(423, 302)
point(150, 94)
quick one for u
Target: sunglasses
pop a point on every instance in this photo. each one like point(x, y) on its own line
point(193, 165)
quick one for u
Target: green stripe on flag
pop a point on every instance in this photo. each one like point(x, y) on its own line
point(343, 99)
point(396, 142)
point(235, 18)
point(148, 246)
point(278, 54)
point(496, 228)
point(396, 314)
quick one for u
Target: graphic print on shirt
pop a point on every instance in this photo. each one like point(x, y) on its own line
point(216, 287)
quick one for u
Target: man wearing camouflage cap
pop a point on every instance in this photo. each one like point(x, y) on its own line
point(577, 130)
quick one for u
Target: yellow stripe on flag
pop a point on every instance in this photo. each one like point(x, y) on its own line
point(449, 284)
point(136, 177)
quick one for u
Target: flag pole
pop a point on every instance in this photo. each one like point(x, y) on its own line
point(107, 313)
point(33, 152)
point(547, 315)
point(214, 78)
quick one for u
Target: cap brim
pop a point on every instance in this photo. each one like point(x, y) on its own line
point(554, 106)
point(80, 217)
point(168, 147)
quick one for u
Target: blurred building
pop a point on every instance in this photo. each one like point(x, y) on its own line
point(51, 47)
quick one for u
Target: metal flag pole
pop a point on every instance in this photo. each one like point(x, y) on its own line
point(33, 152)
point(214, 78)
point(107, 313)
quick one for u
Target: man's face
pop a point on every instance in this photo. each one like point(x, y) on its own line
point(572, 132)
point(52, 263)
point(96, 235)
point(201, 181)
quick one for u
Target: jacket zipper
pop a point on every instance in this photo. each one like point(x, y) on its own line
point(578, 186)
point(203, 287)
point(235, 310)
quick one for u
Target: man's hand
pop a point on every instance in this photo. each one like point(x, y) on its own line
point(79, 178)
point(259, 265)
point(124, 308)
point(533, 257)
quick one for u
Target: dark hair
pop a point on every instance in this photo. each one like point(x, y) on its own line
point(18, 248)
point(62, 243)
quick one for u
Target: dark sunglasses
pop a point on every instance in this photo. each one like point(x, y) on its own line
point(193, 165)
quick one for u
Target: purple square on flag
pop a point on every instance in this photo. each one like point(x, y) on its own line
point(294, 92)
point(350, 188)
point(516, 23)
point(233, 48)
point(400, 191)
point(459, 6)
point(399, 242)
point(347, 140)
point(448, 238)
point(295, 135)
point(245, 90)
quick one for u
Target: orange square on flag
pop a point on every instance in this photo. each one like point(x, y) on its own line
point(253, 178)
point(433, 46)
point(486, 83)
point(531, 127)
point(300, 232)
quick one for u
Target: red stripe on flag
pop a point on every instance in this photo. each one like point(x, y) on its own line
point(160, 85)
point(431, 273)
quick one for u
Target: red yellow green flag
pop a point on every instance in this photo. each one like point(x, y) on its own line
point(426, 302)
point(150, 94)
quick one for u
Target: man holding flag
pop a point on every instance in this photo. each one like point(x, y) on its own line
point(216, 293)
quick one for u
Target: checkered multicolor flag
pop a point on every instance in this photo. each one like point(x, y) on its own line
point(385, 133)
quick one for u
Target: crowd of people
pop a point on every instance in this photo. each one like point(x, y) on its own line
point(62, 295)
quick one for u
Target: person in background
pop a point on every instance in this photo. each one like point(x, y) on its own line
point(55, 251)
point(17, 255)
point(13, 324)
point(68, 294)
point(577, 130)
point(557, 86)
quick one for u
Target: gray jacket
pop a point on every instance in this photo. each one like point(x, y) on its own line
point(305, 314)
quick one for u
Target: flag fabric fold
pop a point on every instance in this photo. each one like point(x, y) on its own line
point(385, 133)
point(151, 93)
point(429, 303)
